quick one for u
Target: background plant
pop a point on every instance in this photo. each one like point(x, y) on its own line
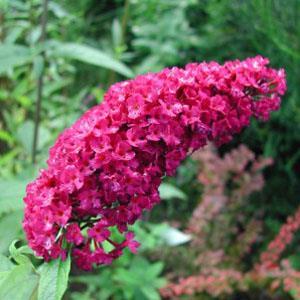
point(226, 235)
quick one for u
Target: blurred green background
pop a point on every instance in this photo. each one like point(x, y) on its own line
point(88, 45)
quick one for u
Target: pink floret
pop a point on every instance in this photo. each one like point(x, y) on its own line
point(105, 170)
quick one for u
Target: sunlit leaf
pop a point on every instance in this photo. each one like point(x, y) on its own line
point(92, 56)
point(5, 264)
point(6, 136)
point(174, 237)
point(54, 279)
point(17, 254)
point(58, 10)
point(116, 33)
point(19, 284)
point(168, 191)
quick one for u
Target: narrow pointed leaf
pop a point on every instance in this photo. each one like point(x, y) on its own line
point(92, 56)
point(12, 55)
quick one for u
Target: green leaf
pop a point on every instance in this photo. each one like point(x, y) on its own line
point(11, 194)
point(12, 55)
point(10, 226)
point(294, 294)
point(6, 136)
point(135, 281)
point(38, 66)
point(168, 191)
point(174, 237)
point(54, 279)
point(295, 261)
point(19, 284)
point(116, 33)
point(25, 135)
point(5, 264)
point(150, 293)
point(58, 10)
point(3, 275)
point(92, 56)
point(53, 87)
point(155, 270)
point(18, 255)
point(26, 250)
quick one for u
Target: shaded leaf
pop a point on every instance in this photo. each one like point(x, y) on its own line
point(143, 284)
point(12, 55)
point(10, 226)
point(38, 66)
point(25, 136)
point(11, 195)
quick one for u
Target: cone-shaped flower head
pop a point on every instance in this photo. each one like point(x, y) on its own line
point(105, 170)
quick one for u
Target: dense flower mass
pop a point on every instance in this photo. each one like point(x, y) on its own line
point(106, 169)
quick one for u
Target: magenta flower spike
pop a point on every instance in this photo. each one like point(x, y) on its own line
point(105, 170)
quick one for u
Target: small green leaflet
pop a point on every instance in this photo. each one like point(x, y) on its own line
point(19, 254)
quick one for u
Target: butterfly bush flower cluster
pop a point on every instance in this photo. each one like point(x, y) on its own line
point(105, 170)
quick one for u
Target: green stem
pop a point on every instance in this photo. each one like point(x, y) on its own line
point(39, 83)
point(124, 21)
